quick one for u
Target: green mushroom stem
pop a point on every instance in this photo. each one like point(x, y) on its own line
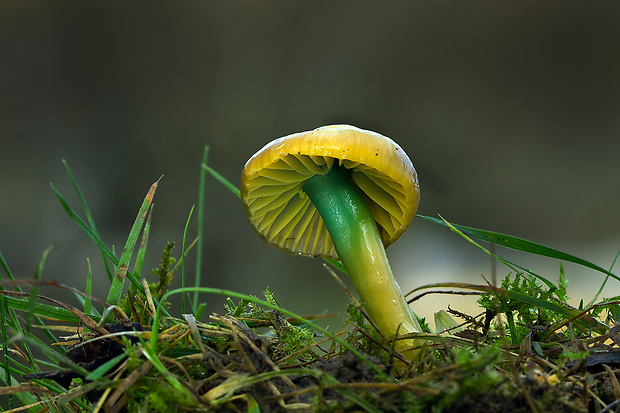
point(357, 241)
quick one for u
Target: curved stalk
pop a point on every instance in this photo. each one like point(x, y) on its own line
point(357, 241)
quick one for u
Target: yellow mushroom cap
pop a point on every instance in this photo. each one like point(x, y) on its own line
point(284, 216)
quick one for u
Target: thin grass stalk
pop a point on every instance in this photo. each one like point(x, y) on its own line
point(182, 259)
point(5, 266)
point(200, 225)
point(34, 290)
point(89, 289)
point(600, 290)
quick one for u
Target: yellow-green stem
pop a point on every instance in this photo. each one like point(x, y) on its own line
point(357, 241)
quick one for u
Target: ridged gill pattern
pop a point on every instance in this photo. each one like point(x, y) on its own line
point(284, 216)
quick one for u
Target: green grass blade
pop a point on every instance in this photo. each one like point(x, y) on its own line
point(52, 354)
point(85, 228)
point(89, 216)
point(179, 262)
point(5, 266)
point(200, 221)
point(510, 265)
point(116, 289)
point(199, 310)
point(102, 370)
point(9, 312)
point(602, 287)
point(43, 310)
point(182, 262)
point(223, 180)
point(86, 299)
point(613, 264)
point(98, 242)
point(89, 290)
point(520, 244)
point(34, 291)
point(141, 256)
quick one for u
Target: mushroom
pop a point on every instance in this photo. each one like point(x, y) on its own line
point(344, 193)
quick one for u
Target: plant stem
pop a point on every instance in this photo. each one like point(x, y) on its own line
point(357, 241)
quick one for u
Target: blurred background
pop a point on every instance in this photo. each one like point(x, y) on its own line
point(509, 111)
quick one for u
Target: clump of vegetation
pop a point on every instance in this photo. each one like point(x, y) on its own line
point(521, 317)
point(286, 339)
point(528, 350)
